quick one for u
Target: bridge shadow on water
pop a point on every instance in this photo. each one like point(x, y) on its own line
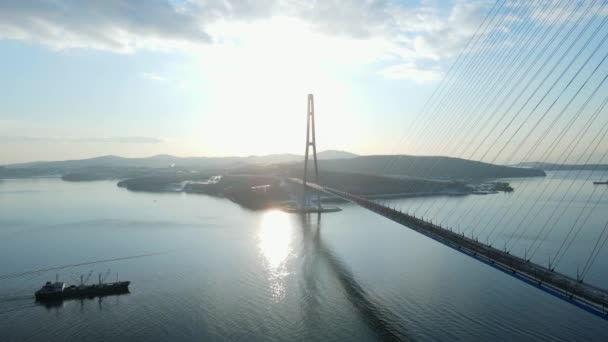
point(380, 320)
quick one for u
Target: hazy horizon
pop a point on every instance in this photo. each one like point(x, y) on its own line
point(180, 156)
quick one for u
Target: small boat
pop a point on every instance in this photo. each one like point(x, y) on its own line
point(600, 182)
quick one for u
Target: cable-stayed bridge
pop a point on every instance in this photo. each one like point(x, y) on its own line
point(586, 296)
point(528, 89)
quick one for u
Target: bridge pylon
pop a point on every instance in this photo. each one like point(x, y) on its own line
point(310, 142)
point(305, 206)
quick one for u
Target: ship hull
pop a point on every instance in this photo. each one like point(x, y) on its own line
point(84, 292)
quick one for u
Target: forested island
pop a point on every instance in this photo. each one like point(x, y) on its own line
point(259, 182)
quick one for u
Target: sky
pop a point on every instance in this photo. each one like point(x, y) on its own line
point(222, 77)
point(218, 77)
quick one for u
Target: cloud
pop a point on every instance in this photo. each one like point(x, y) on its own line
point(411, 71)
point(448, 36)
point(425, 31)
point(114, 25)
point(113, 140)
point(359, 19)
point(152, 77)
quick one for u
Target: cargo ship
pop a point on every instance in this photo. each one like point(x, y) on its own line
point(600, 182)
point(59, 291)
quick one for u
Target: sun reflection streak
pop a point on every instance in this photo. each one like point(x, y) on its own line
point(274, 242)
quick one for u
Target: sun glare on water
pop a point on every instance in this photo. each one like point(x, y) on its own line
point(274, 242)
point(275, 238)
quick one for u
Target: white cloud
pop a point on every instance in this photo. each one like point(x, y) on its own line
point(150, 76)
point(411, 71)
point(382, 29)
point(450, 35)
point(114, 25)
point(552, 11)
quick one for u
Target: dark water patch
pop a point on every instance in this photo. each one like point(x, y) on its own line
point(16, 298)
point(17, 309)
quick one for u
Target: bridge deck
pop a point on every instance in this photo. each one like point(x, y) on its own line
point(588, 297)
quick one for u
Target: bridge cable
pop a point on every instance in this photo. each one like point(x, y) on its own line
point(591, 260)
point(529, 153)
point(444, 83)
point(568, 242)
point(466, 122)
point(494, 77)
point(599, 139)
point(460, 63)
point(471, 63)
point(469, 81)
point(501, 56)
point(506, 112)
point(558, 257)
point(512, 89)
point(571, 148)
point(566, 69)
point(571, 82)
point(576, 116)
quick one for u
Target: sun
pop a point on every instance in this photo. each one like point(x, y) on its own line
point(257, 78)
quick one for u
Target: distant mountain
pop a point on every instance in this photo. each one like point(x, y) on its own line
point(159, 161)
point(334, 154)
point(165, 161)
point(426, 167)
point(113, 167)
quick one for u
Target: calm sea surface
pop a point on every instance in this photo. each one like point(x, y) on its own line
point(226, 273)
